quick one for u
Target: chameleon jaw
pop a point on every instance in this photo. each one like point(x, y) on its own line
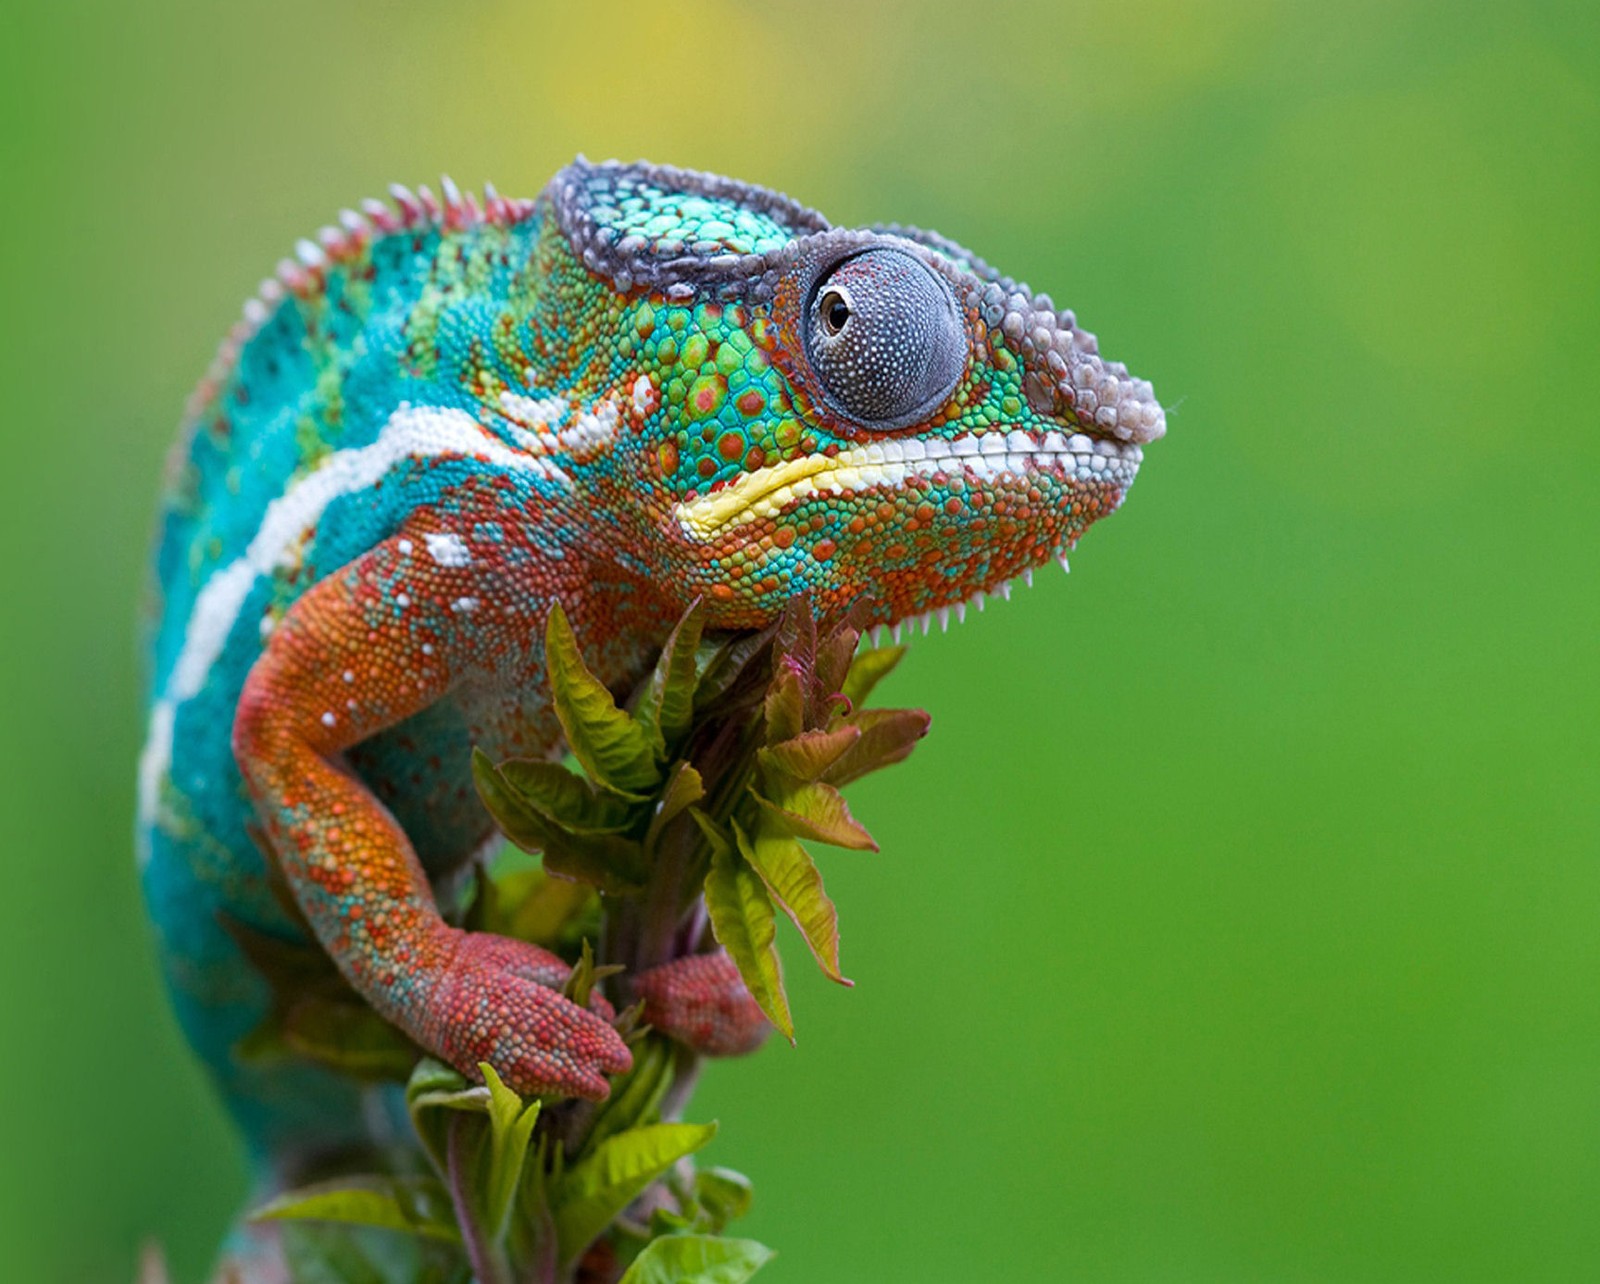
point(767, 491)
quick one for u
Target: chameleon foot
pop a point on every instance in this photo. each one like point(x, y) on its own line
point(701, 1001)
point(496, 1003)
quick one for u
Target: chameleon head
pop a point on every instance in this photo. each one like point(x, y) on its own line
point(865, 414)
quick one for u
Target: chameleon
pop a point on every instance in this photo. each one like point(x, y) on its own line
point(646, 386)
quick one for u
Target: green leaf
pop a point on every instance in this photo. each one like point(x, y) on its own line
point(666, 705)
point(684, 789)
point(415, 1205)
point(510, 1126)
point(531, 905)
point(566, 798)
point(614, 749)
point(580, 982)
point(870, 668)
point(521, 823)
point(697, 1259)
point(725, 1195)
point(608, 861)
point(663, 1221)
point(347, 1036)
point(817, 811)
point(716, 838)
point(434, 1085)
point(810, 753)
point(290, 967)
point(434, 1093)
point(742, 921)
point(635, 1099)
point(328, 1253)
point(612, 1175)
point(611, 864)
point(887, 736)
point(792, 879)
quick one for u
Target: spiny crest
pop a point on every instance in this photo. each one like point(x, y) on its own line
point(306, 273)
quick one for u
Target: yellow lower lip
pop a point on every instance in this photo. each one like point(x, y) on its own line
point(768, 491)
point(702, 519)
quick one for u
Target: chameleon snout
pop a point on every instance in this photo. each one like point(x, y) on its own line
point(1065, 375)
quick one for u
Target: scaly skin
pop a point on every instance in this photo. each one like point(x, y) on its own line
point(701, 1001)
point(645, 387)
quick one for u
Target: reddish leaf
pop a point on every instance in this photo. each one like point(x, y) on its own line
point(834, 653)
point(810, 753)
point(797, 633)
point(785, 706)
point(731, 665)
point(887, 736)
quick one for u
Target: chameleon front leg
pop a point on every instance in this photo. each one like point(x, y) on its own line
point(385, 637)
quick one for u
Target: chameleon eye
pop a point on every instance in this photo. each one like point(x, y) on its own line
point(833, 310)
point(883, 338)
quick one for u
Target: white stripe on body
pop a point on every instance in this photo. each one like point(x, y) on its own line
point(412, 432)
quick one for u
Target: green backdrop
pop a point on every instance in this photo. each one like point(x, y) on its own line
point(1239, 919)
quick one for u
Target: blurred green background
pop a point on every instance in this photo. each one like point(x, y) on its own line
point(1241, 918)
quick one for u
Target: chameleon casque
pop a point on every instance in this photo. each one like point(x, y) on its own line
point(646, 386)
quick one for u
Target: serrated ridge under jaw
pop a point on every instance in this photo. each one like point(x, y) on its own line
point(907, 626)
point(1063, 370)
point(768, 491)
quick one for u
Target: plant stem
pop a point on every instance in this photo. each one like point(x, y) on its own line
point(685, 1074)
point(547, 1259)
point(655, 924)
point(488, 1259)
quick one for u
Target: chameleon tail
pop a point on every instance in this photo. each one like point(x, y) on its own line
point(293, 1115)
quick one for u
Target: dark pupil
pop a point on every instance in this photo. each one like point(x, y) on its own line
point(835, 312)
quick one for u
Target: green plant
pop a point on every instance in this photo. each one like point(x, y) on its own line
point(681, 827)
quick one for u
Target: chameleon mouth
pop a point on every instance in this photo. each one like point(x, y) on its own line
point(767, 492)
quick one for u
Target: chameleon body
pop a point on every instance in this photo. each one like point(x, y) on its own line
point(645, 387)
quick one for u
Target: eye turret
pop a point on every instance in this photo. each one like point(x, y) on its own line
point(883, 338)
